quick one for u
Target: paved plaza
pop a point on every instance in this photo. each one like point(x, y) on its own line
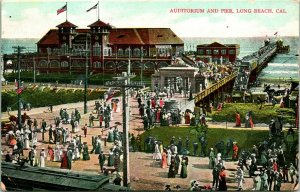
point(145, 172)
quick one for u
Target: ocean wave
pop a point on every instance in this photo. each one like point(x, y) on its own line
point(284, 64)
point(280, 72)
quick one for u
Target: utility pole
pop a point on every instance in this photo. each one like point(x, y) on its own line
point(19, 50)
point(86, 75)
point(34, 70)
point(123, 81)
point(142, 65)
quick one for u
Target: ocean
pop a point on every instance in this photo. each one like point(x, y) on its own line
point(284, 66)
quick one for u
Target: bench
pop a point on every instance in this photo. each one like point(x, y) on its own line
point(107, 169)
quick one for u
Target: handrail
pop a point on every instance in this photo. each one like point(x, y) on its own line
point(214, 87)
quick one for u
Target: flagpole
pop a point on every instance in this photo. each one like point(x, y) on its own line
point(98, 11)
point(67, 11)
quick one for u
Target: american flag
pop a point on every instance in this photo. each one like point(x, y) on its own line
point(94, 7)
point(63, 9)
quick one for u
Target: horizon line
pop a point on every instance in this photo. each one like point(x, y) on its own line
point(178, 36)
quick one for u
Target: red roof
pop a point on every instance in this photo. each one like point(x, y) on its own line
point(126, 36)
point(51, 38)
point(159, 36)
point(99, 23)
point(149, 36)
point(66, 24)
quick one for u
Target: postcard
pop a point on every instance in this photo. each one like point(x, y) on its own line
point(149, 95)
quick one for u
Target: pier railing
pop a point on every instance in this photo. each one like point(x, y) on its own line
point(201, 95)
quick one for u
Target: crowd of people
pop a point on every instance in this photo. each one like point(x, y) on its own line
point(265, 164)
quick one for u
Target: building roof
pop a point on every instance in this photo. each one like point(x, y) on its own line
point(51, 38)
point(125, 36)
point(99, 23)
point(218, 45)
point(66, 24)
point(156, 36)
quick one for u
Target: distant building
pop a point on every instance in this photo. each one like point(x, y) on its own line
point(64, 49)
point(217, 52)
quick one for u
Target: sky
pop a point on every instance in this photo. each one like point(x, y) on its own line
point(33, 18)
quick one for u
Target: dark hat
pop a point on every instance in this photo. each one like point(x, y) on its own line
point(177, 187)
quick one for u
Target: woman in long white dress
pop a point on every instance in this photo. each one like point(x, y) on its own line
point(42, 157)
point(169, 154)
point(57, 154)
point(76, 126)
point(156, 154)
point(34, 138)
point(26, 141)
point(77, 154)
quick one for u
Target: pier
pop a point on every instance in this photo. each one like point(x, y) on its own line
point(240, 80)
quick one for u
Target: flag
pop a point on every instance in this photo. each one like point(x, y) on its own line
point(276, 33)
point(94, 7)
point(63, 9)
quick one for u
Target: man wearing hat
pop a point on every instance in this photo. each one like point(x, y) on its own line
point(292, 172)
point(102, 159)
point(277, 181)
point(211, 159)
point(69, 158)
point(195, 146)
point(215, 174)
point(85, 154)
point(239, 175)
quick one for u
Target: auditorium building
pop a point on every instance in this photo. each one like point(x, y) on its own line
point(104, 48)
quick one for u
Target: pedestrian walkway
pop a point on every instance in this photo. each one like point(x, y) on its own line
point(35, 111)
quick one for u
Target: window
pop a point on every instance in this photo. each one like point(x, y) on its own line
point(120, 52)
point(136, 52)
point(78, 63)
point(106, 51)
point(200, 52)
point(43, 63)
point(64, 64)
point(54, 64)
point(127, 52)
point(231, 52)
point(64, 49)
point(208, 52)
point(223, 51)
point(216, 51)
point(96, 49)
point(97, 64)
